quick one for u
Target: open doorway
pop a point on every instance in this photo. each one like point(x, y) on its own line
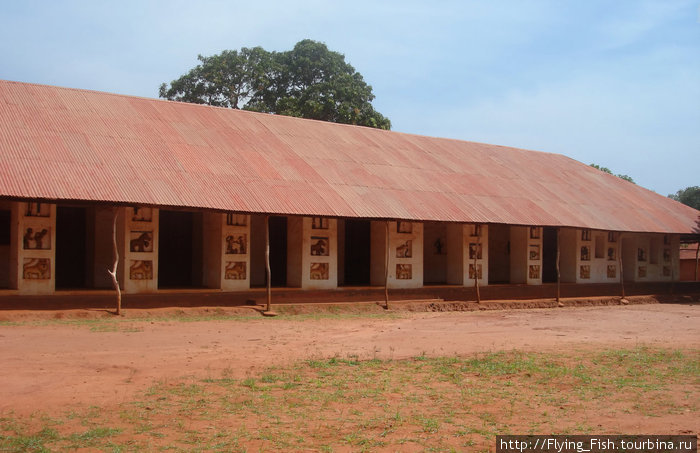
point(278, 251)
point(434, 253)
point(499, 254)
point(549, 255)
point(5, 218)
point(72, 247)
point(357, 252)
point(180, 258)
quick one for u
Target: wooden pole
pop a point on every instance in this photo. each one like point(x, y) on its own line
point(267, 263)
point(558, 269)
point(619, 260)
point(476, 268)
point(697, 253)
point(386, 268)
point(113, 272)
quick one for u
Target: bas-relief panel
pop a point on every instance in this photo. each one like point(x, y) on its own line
point(319, 223)
point(475, 250)
point(404, 271)
point(38, 209)
point(611, 254)
point(36, 269)
point(37, 240)
point(320, 246)
point(585, 271)
point(405, 250)
point(318, 271)
point(141, 270)
point(534, 253)
point(641, 254)
point(612, 271)
point(141, 241)
point(641, 271)
point(236, 244)
point(235, 270)
point(142, 214)
point(477, 274)
point(404, 227)
point(236, 219)
point(585, 253)
point(534, 271)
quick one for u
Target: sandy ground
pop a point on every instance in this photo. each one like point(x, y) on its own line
point(55, 367)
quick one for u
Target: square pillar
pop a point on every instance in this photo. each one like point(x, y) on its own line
point(137, 240)
point(405, 254)
point(33, 247)
point(227, 260)
point(312, 252)
point(464, 243)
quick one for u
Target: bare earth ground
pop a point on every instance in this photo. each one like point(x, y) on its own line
point(60, 366)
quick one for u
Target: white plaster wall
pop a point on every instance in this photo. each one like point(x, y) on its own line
point(26, 259)
point(233, 268)
point(131, 260)
point(661, 257)
point(304, 269)
point(396, 241)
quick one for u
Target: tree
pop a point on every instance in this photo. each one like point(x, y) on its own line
point(308, 81)
point(607, 170)
point(689, 196)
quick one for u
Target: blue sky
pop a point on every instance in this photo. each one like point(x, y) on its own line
point(611, 82)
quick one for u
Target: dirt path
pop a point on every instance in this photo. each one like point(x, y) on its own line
point(59, 366)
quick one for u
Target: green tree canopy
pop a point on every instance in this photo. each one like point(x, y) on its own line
point(308, 81)
point(607, 170)
point(689, 196)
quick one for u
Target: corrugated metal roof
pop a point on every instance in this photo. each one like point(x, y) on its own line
point(68, 144)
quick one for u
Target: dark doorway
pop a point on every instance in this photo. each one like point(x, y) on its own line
point(71, 247)
point(357, 252)
point(278, 251)
point(179, 250)
point(549, 255)
point(5, 223)
point(499, 254)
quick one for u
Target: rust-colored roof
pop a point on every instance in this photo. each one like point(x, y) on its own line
point(68, 144)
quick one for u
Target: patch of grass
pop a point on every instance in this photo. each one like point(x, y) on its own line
point(428, 403)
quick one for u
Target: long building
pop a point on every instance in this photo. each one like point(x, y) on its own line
point(188, 189)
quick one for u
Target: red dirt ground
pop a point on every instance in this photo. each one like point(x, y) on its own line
point(57, 366)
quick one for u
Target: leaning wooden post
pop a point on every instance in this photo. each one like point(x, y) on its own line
point(113, 272)
point(267, 263)
point(558, 269)
point(386, 268)
point(476, 268)
point(697, 253)
point(619, 260)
